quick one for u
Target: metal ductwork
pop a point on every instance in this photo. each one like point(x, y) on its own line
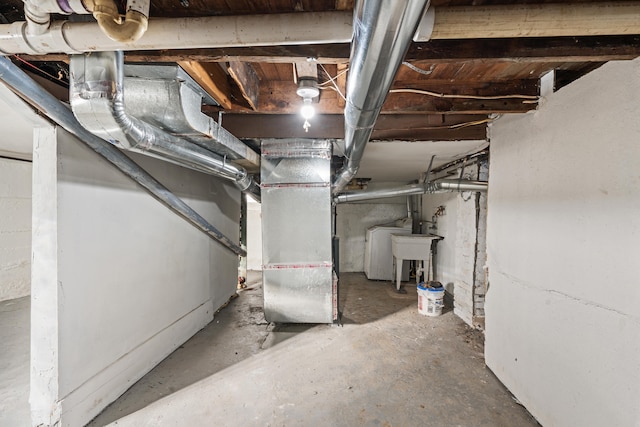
point(457, 185)
point(97, 100)
point(440, 186)
point(382, 33)
point(168, 98)
point(297, 271)
point(23, 85)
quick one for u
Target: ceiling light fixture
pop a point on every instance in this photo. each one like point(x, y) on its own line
point(307, 90)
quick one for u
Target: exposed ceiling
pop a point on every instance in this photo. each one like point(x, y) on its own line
point(480, 78)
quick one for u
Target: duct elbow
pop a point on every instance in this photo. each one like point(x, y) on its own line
point(128, 30)
point(344, 178)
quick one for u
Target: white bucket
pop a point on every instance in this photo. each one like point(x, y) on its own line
point(430, 300)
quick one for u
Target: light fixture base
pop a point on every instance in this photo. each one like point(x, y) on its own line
point(307, 88)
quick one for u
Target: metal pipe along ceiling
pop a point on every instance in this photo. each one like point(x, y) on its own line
point(382, 33)
point(97, 100)
point(22, 84)
point(439, 186)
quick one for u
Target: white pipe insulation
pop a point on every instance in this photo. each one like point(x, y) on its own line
point(541, 20)
point(181, 33)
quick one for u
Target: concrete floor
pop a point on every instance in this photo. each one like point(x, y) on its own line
point(14, 362)
point(387, 366)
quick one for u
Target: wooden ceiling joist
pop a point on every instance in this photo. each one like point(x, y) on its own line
point(247, 80)
point(281, 97)
point(544, 49)
point(212, 78)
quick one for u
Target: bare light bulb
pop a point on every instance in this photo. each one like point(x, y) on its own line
point(307, 90)
point(307, 111)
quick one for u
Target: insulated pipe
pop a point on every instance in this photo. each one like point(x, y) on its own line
point(139, 136)
point(38, 16)
point(181, 33)
point(440, 186)
point(23, 85)
point(382, 32)
point(38, 13)
point(507, 21)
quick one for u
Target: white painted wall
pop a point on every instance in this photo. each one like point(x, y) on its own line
point(562, 317)
point(404, 161)
point(17, 120)
point(254, 235)
point(119, 281)
point(15, 228)
point(353, 220)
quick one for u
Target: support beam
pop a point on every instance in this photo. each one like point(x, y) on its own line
point(416, 127)
point(536, 20)
point(542, 49)
point(344, 4)
point(211, 77)
point(247, 80)
point(407, 102)
point(341, 82)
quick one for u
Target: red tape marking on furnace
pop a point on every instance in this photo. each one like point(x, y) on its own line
point(296, 266)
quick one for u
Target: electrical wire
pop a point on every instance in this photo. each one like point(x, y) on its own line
point(333, 80)
point(528, 99)
point(41, 71)
point(455, 126)
point(419, 70)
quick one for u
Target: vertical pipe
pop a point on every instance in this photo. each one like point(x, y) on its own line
point(87, 102)
point(382, 34)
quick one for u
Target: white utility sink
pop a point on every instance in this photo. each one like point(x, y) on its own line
point(412, 247)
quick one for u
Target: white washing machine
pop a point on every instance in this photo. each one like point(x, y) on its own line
point(378, 261)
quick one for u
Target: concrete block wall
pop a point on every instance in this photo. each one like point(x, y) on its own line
point(119, 281)
point(562, 319)
point(17, 120)
point(480, 279)
point(15, 228)
point(460, 257)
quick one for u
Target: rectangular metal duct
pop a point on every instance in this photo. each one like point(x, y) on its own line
point(167, 97)
point(296, 237)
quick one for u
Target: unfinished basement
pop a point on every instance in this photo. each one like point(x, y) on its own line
point(305, 213)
